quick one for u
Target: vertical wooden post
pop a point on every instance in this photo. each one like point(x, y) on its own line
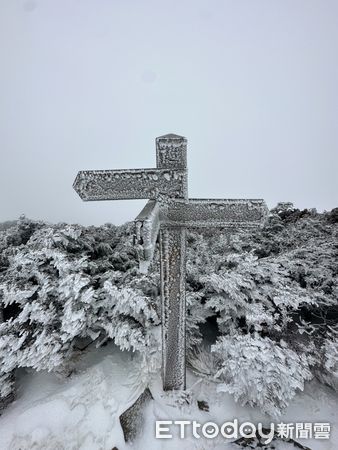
point(173, 251)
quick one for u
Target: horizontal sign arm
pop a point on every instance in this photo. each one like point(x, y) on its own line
point(131, 184)
point(147, 225)
point(195, 213)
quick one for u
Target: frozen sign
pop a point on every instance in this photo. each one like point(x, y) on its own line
point(168, 214)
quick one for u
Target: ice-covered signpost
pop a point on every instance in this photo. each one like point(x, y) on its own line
point(168, 213)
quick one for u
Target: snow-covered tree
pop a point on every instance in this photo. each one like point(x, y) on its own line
point(265, 297)
point(276, 284)
point(260, 372)
point(61, 283)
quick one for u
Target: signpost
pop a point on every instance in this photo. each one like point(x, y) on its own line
point(168, 213)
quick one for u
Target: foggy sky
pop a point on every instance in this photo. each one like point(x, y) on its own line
point(89, 84)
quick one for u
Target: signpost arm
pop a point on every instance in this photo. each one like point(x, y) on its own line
point(147, 225)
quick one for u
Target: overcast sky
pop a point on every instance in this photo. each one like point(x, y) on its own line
point(89, 84)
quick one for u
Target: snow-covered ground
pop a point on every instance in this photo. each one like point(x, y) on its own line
point(82, 411)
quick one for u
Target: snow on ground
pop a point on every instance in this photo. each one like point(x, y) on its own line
point(82, 412)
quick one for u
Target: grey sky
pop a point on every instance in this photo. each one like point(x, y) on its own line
point(252, 84)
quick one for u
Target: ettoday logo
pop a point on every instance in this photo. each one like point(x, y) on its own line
point(211, 430)
point(234, 430)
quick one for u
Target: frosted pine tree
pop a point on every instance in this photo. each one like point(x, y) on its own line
point(260, 372)
point(64, 283)
point(267, 297)
point(278, 284)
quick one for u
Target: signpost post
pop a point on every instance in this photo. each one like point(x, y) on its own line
point(168, 213)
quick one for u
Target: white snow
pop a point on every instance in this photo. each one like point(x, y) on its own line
point(82, 411)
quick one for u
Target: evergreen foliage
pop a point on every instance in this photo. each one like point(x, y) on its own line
point(263, 301)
